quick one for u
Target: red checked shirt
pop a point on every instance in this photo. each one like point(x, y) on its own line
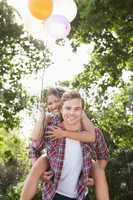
point(55, 153)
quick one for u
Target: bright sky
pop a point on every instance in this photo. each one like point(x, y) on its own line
point(66, 64)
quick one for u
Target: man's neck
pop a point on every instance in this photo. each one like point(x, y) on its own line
point(74, 127)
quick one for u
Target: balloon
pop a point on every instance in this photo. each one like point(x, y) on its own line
point(41, 9)
point(57, 26)
point(66, 8)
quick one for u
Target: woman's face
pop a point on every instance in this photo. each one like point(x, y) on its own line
point(54, 104)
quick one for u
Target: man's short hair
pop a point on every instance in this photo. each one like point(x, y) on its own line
point(72, 95)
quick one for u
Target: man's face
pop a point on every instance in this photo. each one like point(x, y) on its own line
point(72, 111)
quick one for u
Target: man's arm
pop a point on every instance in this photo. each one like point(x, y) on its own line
point(102, 156)
point(101, 149)
point(99, 175)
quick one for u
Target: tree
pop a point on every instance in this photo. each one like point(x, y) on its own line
point(20, 54)
point(109, 25)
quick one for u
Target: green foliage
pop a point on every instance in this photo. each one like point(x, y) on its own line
point(109, 24)
point(20, 54)
point(113, 112)
point(14, 162)
point(13, 193)
point(14, 165)
point(120, 173)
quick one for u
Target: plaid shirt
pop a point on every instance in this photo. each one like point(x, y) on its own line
point(55, 153)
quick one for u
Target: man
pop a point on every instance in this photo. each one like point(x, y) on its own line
point(69, 159)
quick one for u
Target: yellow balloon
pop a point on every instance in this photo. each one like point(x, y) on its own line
point(41, 9)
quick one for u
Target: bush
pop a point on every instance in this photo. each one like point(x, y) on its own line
point(14, 162)
point(13, 192)
point(120, 176)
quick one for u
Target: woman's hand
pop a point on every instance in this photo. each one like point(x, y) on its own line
point(56, 133)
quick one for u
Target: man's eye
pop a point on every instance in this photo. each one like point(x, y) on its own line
point(77, 109)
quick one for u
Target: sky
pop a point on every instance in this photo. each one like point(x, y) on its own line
point(66, 63)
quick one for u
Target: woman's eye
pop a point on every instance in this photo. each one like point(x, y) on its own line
point(57, 101)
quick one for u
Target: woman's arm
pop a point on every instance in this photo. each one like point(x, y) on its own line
point(35, 149)
point(87, 125)
point(38, 130)
point(83, 136)
point(37, 137)
point(87, 135)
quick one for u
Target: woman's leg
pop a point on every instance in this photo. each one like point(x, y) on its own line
point(31, 182)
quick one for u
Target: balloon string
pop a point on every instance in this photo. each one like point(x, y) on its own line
point(42, 83)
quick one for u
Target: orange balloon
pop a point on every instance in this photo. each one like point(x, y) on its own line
point(41, 9)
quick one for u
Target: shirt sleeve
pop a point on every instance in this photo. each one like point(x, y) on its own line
point(35, 148)
point(100, 146)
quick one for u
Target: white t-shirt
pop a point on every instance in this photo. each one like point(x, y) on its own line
point(71, 170)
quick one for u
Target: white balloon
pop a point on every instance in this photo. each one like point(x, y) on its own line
point(57, 26)
point(67, 8)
